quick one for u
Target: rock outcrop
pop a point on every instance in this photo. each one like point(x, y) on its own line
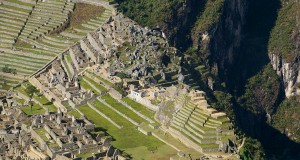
point(288, 72)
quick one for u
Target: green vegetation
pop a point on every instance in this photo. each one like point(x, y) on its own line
point(33, 109)
point(285, 34)
point(85, 85)
point(101, 79)
point(42, 133)
point(30, 90)
point(252, 150)
point(208, 17)
point(287, 118)
point(43, 100)
point(128, 138)
point(114, 103)
point(74, 113)
point(150, 13)
point(262, 91)
point(139, 107)
point(7, 69)
point(224, 102)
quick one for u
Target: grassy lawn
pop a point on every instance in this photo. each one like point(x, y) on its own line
point(114, 103)
point(41, 132)
point(129, 139)
point(86, 86)
point(100, 78)
point(111, 114)
point(36, 109)
point(75, 113)
point(139, 107)
point(98, 86)
point(42, 99)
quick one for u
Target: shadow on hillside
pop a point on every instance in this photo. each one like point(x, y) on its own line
point(274, 142)
point(253, 52)
point(251, 58)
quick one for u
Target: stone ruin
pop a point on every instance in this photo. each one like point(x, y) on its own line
point(51, 136)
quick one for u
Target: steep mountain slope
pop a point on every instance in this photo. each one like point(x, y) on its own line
point(229, 47)
point(284, 46)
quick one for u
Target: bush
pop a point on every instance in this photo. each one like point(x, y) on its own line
point(261, 92)
point(287, 118)
point(252, 150)
point(7, 69)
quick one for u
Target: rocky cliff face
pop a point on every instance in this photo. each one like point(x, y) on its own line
point(227, 33)
point(284, 46)
point(288, 72)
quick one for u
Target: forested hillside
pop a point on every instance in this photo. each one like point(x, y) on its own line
point(245, 55)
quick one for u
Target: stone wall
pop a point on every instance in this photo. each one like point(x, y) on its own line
point(115, 94)
point(136, 112)
point(39, 139)
point(144, 102)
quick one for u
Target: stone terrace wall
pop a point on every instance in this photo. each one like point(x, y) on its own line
point(144, 102)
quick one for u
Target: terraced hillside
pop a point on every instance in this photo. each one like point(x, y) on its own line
point(32, 33)
point(13, 17)
point(200, 126)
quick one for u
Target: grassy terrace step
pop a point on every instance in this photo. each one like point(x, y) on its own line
point(220, 120)
point(57, 44)
point(22, 70)
point(60, 39)
point(197, 121)
point(101, 79)
point(114, 116)
point(86, 86)
point(6, 27)
point(186, 110)
point(180, 119)
point(9, 33)
point(74, 113)
point(178, 122)
point(202, 129)
point(19, 65)
point(114, 103)
point(139, 107)
point(12, 16)
point(210, 145)
point(127, 138)
point(13, 13)
point(36, 109)
point(16, 9)
point(38, 51)
point(9, 80)
point(21, 2)
point(183, 114)
point(16, 60)
point(42, 133)
point(24, 58)
point(43, 100)
point(199, 112)
point(193, 132)
point(98, 86)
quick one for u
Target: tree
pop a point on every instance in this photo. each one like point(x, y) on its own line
point(30, 90)
point(252, 150)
